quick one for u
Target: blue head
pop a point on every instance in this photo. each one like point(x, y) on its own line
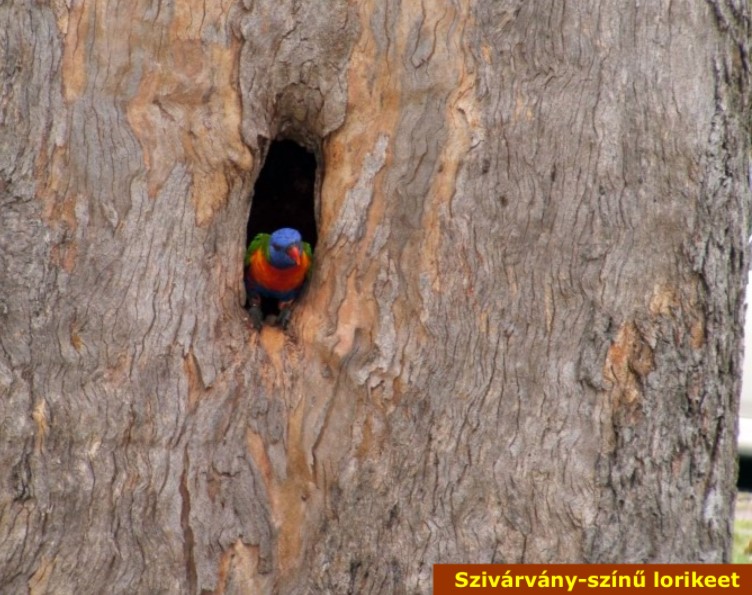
point(285, 248)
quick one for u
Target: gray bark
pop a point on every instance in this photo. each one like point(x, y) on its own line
point(521, 342)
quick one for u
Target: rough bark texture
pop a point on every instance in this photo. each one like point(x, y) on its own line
point(521, 341)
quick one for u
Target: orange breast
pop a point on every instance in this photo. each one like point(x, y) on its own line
point(281, 280)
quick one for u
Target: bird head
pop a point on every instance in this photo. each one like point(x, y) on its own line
point(285, 248)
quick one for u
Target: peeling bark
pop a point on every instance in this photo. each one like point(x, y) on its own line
point(521, 339)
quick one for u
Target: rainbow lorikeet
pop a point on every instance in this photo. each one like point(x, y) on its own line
point(277, 267)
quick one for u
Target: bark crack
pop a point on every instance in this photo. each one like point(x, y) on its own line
point(185, 524)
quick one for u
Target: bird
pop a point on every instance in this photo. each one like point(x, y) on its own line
point(277, 265)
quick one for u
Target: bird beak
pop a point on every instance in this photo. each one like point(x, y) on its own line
point(294, 253)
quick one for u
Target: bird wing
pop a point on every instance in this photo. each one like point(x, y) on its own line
point(308, 251)
point(259, 242)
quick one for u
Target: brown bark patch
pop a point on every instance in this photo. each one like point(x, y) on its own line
point(628, 362)
point(75, 336)
point(196, 387)
point(462, 122)
point(664, 301)
point(273, 342)
point(239, 565)
point(373, 113)
point(40, 415)
point(695, 316)
point(258, 454)
point(668, 301)
point(187, 112)
point(288, 496)
point(61, 12)
point(355, 313)
point(697, 333)
point(38, 583)
point(64, 256)
point(74, 70)
point(59, 205)
point(290, 500)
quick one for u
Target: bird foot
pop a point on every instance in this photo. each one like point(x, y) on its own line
point(284, 318)
point(257, 316)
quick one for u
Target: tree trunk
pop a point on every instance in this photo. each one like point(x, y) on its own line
point(520, 342)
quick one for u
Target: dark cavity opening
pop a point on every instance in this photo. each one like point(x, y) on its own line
point(283, 196)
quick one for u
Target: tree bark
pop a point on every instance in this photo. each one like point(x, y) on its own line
point(521, 342)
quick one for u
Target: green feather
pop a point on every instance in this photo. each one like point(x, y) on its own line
point(259, 242)
point(309, 252)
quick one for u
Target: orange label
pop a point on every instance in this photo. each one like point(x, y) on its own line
point(591, 578)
